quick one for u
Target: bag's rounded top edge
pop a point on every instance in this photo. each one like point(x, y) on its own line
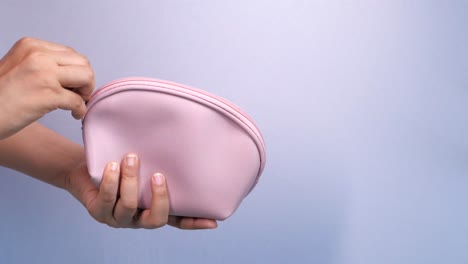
point(136, 80)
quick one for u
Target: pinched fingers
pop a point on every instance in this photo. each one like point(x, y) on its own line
point(68, 100)
point(75, 72)
point(80, 79)
point(53, 73)
point(70, 69)
point(76, 86)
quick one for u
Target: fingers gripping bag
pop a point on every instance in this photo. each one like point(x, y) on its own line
point(210, 151)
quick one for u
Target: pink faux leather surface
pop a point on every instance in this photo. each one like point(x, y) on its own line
point(209, 150)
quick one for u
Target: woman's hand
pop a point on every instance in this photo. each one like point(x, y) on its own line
point(37, 77)
point(116, 205)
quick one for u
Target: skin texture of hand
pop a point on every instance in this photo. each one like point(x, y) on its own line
point(115, 201)
point(37, 77)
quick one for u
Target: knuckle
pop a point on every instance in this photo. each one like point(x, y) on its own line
point(77, 102)
point(37, 60)
point(185, 226)
point(112, 224)
point(88, 75)
point(96, 216)
point(157, 223)
point(130, 204)
point(108, 198)
point(100, 220)
point(35, 54)
point(68, 48)
point(109, 183)
point(84, 60)
point(25, 41)
point(128, 173)
point(161, 193)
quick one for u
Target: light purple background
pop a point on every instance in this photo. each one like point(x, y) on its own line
point(362, 105)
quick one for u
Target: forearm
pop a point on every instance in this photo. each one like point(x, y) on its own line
point(41, 153)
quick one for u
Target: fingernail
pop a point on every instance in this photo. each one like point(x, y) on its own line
point(158, 179)
point(131, 159)
point(114, 166)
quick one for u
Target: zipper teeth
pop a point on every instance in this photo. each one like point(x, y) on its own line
point(114, 85)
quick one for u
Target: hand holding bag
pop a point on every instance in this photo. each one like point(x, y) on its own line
point(210, 151)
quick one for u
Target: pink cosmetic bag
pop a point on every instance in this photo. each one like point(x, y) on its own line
point(210, 151)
